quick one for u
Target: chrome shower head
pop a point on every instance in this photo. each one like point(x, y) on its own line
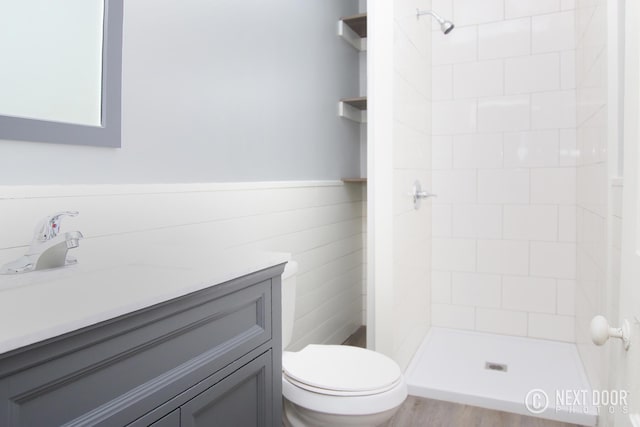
point(446, 26)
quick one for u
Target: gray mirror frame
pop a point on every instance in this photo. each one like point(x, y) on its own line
point(108, 134)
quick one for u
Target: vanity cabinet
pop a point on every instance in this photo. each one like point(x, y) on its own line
point(209, 358)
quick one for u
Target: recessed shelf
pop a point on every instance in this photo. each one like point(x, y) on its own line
point(357, 23)
point(353, 109)
point(354, 30)
point(360, 102)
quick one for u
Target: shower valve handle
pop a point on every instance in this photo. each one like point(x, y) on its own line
point(418, 194)
point(424, 195)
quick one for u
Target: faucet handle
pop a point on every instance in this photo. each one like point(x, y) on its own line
point(49, 227)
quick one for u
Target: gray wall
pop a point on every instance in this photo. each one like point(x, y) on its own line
point(221, 90)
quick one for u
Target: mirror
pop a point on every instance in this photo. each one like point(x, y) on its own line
point(60, 71)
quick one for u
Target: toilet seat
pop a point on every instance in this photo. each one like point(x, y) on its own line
point(342, 380)
point(331, 392)
point(339, 370)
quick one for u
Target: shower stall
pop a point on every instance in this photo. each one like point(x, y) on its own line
point(513, 120)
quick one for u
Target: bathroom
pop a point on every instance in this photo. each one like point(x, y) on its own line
point(233, 138)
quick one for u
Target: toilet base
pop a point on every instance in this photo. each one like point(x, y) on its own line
point(297, 416)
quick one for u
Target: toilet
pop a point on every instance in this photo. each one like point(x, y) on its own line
point(334, 385)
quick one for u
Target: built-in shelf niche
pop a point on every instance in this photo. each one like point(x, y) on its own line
point(354, 30)
point(354, 180)
point(353, 109)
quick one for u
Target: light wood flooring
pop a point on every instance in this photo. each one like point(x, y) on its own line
point(358, 338)
point(417, 411)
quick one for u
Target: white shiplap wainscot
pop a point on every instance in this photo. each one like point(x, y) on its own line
point(318, 222)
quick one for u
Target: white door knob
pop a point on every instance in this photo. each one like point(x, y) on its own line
point(601, 331)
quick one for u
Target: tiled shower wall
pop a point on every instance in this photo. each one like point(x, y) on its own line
point(504, 155)
point(411, 150)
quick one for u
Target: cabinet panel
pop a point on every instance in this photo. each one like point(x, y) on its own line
point(243, 398)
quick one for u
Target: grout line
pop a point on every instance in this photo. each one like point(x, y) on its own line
point(531, 35)
point(530, 112)
point(512, 56)
point(504, 76)
point(505, 18)
point(477, 43)
point(475, 318)
point(558, 226)
point(477, 253)
point(529, 260)
point(502, 233)
point(557, 296)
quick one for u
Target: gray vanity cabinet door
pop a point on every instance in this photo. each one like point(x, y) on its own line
point(170, 420)
point(243, 399)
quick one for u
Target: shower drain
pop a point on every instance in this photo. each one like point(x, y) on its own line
point(492, 366)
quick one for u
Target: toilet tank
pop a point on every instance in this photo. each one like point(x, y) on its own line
point(288, 301)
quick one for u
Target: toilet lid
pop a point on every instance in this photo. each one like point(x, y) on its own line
point(341, 370)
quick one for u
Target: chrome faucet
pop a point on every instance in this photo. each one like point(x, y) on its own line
point(48, 248)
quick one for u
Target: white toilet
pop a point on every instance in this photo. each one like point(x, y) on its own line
point(334, 385)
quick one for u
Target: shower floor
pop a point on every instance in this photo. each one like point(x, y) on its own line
point(451, 365)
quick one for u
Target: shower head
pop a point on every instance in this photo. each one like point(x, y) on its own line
point(446, 26)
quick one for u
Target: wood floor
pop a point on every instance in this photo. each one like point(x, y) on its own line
point(416, 411)
point(358, 338)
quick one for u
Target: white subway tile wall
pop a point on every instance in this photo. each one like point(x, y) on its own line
point(460, 45)
point(504, 186)
point(477, 221)
point(412, 228)
point(503, 257)
point(477, 151)
point(480, 290)
point(503, 113)
point(452, 316)
point(504, 167)
point(442, 83)
point(519, 8)
point(477, 79)
point(531, 294)
point(532, 149)
point(551, 110)
point(531, 222)
point(467, 13)
point(441, 287)
point(535, 73)
point(501, 321)
point(504, 39)
point(553, 32)
point(451, 117)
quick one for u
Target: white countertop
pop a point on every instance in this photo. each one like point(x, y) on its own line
point(44, 304)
